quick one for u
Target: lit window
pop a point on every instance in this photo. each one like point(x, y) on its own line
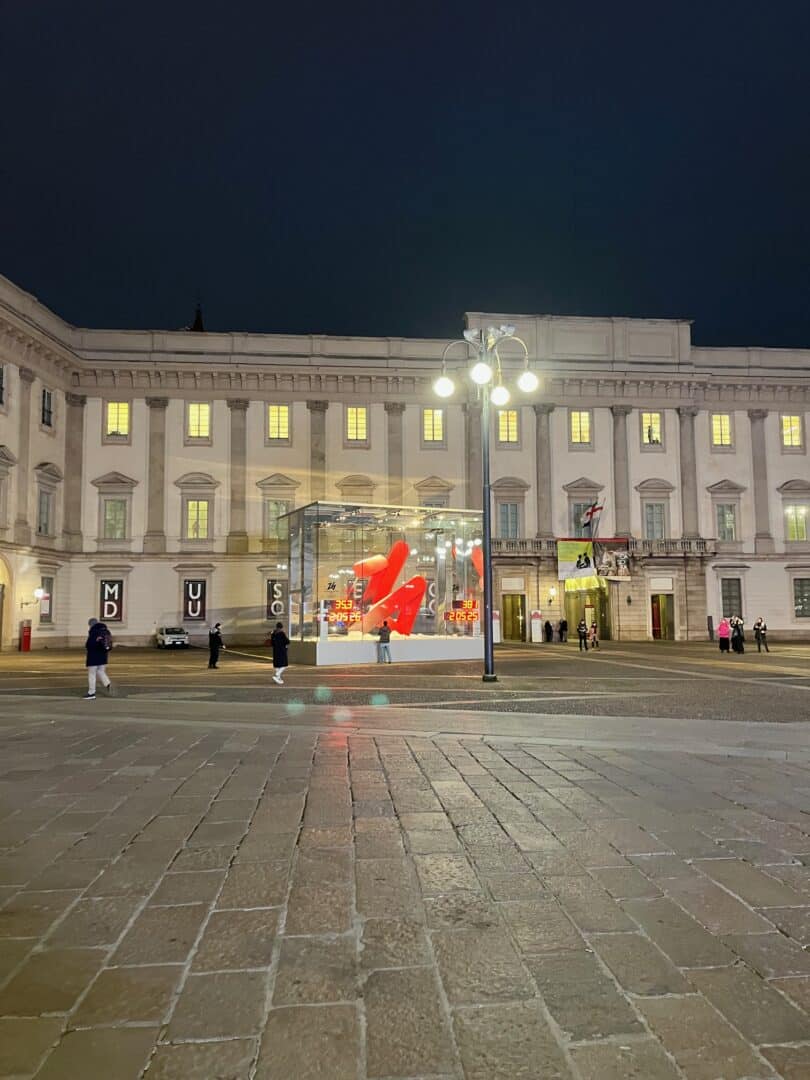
point(655, 515)
point(792, 432)
point(47, 408)
point(197, 519)
point(115, 519)
point(357, 423)
point(278, 423)
point(507, 425)
point(796, 522)
point(726, 521)
point(580, 427)
point(651, 428)
point(199, 420)
point(433, 425)
point(721, 429)
point(117, 421)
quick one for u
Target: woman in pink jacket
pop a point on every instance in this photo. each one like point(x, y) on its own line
point(723, 634)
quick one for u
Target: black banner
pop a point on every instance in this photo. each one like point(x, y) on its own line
point(111, 601)
point(277, 600)
point(194, 590)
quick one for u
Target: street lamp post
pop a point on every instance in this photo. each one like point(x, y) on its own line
point(485, 342)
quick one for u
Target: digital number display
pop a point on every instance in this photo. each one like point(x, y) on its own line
point(344, 611)
point(464, 611)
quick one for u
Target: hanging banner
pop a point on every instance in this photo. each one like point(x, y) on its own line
point(277, 600)
point(194, 600)
point(612, 559)
point(574, 559)
point(111, 601)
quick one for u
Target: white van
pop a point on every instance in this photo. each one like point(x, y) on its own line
point(171, 637)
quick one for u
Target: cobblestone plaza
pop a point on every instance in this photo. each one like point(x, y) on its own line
point(203, 882)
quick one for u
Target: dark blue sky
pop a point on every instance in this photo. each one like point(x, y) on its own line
point(381, 168)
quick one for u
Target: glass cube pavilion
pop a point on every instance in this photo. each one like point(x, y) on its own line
point(350, 565)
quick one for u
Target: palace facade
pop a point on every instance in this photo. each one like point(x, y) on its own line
point(136, 465)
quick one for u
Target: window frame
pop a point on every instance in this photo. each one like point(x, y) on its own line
point(199, 499)
point(356, 444)
point(48, 425)
point(722, 448)
point(267, 499)
point(734, 506)
point(509, 501)
point(796, 577)
point(652, 448)
point(3, 389)
point(797, 504)
point(509, 444)
point(107, 437)
point(271, 440)
point(731, 577)
point(46, 618)
point(578, 529)
point(198, 440)
point(106, 500)
point(802, 447)
point(580, 445)
point(48, 496)
point(432, 444)
point(649, 503)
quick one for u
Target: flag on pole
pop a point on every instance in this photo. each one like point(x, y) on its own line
point(590, 519)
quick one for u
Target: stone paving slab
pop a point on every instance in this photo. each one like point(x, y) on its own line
point(190, 901)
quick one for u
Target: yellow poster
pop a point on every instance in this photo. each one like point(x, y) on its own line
point(574, 559)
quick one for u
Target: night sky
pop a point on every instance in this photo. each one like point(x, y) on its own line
point(381, 168)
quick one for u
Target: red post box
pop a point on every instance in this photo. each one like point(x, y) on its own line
point(25, 635)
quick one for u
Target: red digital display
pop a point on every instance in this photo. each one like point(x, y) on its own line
point(464, 611)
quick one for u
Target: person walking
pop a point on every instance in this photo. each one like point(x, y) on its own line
point(723, 634)
point(279, 642)
point(737, 635)
point(582, 631)
point(593, 636)
point(384, 644)
point(548, 630)
point(563, 630)
point(98, 645)
point(761, 634)
point(215, 643)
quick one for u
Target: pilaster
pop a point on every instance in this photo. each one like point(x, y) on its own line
point(317, 449)
point(22, 524)
point(545, 517)
point(237, 540)
point(473, 477)
point(621, 471)
point(154, 540)
point(395, 461)
point(74, 472)
point(763, 539)
point(689, 493)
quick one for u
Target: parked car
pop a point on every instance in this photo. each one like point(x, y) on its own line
point(171, 637)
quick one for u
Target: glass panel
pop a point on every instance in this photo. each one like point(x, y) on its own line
point(197, 519)
point(115, 519)
point(792, 431)
point(357, 423)
point(433, 425)
point(801, 597)
point(726, 521)
point(199, 420)
point(278, 422)
point(796, 522)
point(721, 429)
point(731, 596)
point(580, 427)
point(117, 418)
point(654, 521)
point(507, 425)
point(651, 428)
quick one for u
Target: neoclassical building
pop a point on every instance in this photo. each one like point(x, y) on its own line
point(142, 472)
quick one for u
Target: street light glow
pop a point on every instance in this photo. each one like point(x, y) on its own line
point(481, 373)
point(500, 395)
point(528, 381)
point(444, 386)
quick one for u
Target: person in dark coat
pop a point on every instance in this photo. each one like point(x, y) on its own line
point(97, 646)
point(549, 631)
point(737, 635)
point(563, 630)
point(761, 634)
point(279, 641)
point(582, 633)
point(215, 643)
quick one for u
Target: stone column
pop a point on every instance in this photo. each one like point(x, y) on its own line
point(154, 541)
point(22, 525)
point(763, 539)
point(545, 519)
point(74, 472)
point(689, 496)
point(237, 542)
point(474, 483)
point(621, 471)
point(395, 461)
point(317, 449)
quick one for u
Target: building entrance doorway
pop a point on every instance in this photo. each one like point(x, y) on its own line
point(513, 621)
point(592, 605)
point(662, 615)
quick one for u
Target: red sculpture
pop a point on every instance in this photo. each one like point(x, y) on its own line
point(400, 607)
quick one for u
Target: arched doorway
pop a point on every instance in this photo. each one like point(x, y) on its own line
point(6, 609)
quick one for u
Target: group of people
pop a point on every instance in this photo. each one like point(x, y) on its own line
point(278, 641)
point(731, 635)
point(562, 631)
point(588, 635)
